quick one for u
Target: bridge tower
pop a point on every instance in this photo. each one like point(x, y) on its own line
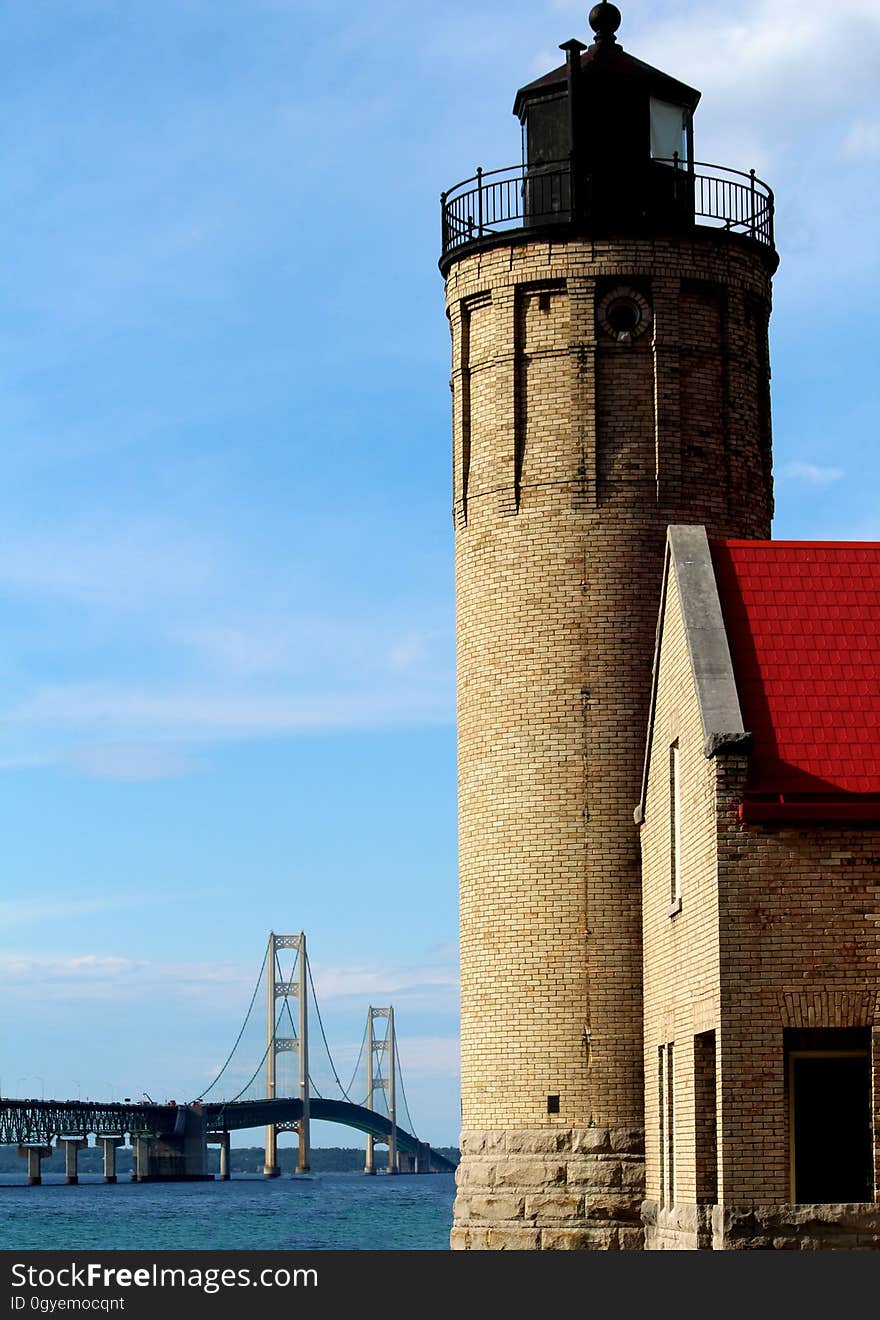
point(284, 988)
point(382, 1048)
point(608, 301)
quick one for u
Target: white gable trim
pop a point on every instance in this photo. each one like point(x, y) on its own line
point(689, 557)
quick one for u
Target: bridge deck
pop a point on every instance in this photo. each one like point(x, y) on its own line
point(40, 1122)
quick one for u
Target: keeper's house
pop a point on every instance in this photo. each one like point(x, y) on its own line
point(760, 836)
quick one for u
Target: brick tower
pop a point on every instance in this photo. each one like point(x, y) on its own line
point(608, 301)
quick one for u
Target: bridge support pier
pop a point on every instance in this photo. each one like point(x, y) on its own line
point(143, 1150)
point(177, 1151)
point(72, 1146)
point(270, 1163)
point(34, 1156)
point(369, 1162)
point(110, 1143)
point(304, 1149)
point(417, 1161)
point(224, 1157)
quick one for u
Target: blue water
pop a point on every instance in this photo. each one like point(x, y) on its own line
point(323, 1212)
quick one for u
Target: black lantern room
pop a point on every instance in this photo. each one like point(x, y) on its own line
point(607, 149)
point(616, 129)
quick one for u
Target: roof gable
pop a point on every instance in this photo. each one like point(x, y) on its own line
point(689, 558)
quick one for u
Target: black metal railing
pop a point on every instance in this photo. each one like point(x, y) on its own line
point(520, 197)
point(728, 199)
point(494, 201)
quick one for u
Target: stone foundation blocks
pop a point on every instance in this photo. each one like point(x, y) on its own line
point(552, 1190)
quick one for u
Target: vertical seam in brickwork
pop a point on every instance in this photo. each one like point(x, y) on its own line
point(726, 400)
point(465, 364)
point(582, 328)
point(519, 390)
point(668, 458)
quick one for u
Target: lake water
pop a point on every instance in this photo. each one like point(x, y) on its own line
point(321, 1212)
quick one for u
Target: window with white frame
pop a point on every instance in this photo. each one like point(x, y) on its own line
point(675, 824)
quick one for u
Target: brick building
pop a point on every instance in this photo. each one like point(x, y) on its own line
point(608, 302)
point(760, 828)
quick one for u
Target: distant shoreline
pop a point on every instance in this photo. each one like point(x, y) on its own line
point(243, 1159)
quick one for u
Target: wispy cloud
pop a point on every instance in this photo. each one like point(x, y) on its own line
point(248, 646)
point(62, 907)
point(430, 1056)
point(94, 977)
point(224, 988)
point(424, 987)
point(813, 474)
point(100, 561)
point(129, 762)
point(123, 762)
point(194, 713)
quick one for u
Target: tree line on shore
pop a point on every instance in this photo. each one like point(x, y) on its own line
point(243, 1159)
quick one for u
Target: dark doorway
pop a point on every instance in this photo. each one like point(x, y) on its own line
point(705, 1120)
point(829, 1079)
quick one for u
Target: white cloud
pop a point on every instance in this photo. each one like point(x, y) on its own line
point(224, 987)
point(92, 978)
point(774, 73)
point(812, 473)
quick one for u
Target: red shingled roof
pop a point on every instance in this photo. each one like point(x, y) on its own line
point(803, 624)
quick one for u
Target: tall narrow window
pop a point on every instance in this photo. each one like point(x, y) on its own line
point(661, 1118)
point(666, 1096)
point(674, 825)
point(705, 1119)
point(670, 1123)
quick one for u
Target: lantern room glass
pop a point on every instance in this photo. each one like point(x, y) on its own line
point(669, 131)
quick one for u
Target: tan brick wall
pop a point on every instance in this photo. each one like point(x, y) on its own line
point(799, 915)
point(681, 952)
point(568, 465)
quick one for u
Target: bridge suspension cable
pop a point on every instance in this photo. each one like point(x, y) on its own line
point(324, 1035)
point(259, 1067)
point(286, 1008)
point(241, 1033)
point(357, 1065)
point(271, 1043)
point(402, 1087)
point(278, 1028)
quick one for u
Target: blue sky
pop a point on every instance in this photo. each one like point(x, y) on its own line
point(226, 612)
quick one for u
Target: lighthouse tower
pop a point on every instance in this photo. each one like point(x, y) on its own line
point(608, 300)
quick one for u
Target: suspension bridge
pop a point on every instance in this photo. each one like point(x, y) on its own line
point(170, 1141)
